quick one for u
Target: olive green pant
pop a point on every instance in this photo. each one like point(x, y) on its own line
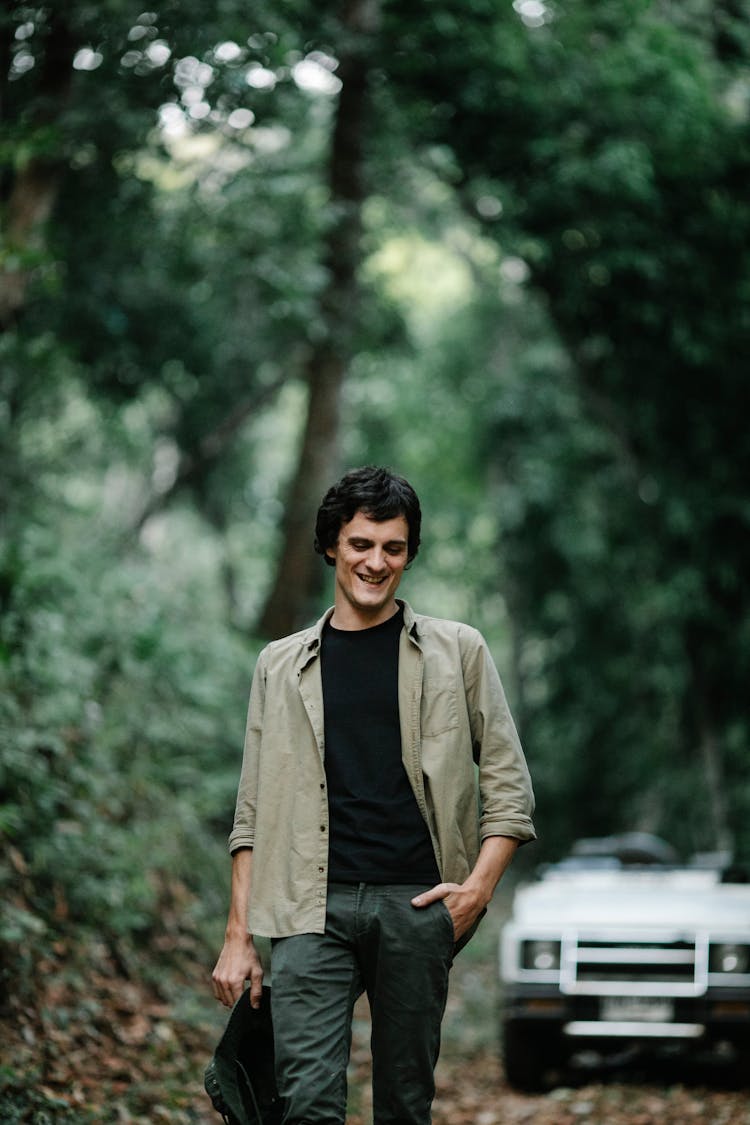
point(375, 941)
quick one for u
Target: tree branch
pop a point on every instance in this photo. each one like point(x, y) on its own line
point(193, 465)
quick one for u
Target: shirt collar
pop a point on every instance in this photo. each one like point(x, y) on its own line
point(312, 637)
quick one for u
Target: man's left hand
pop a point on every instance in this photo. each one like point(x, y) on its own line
point(463, 903)
point(466, 901)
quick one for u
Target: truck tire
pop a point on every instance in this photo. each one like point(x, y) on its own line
point(533, 1055)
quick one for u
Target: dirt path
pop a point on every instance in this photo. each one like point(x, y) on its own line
point(471, 1090)
point(476, 1094)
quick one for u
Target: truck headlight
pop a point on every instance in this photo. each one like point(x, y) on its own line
point(540, 954)
point(728, 957)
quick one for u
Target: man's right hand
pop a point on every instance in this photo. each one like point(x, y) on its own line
point(238, 962)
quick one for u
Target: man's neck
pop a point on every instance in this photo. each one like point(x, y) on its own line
point(349, 618)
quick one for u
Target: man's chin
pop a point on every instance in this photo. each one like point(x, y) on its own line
point(373, 604)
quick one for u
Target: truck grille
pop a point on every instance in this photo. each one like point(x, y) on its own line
point(647, 968)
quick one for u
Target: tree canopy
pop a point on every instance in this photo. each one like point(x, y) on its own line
point(501, 248)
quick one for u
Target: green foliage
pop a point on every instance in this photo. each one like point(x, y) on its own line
point(553, 349)
point(123, 691)
point(22, 1103)
point(611, 136)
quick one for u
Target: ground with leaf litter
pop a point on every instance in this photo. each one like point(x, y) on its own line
point(96, 1036)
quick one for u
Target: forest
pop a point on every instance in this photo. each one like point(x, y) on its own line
point(500, 247)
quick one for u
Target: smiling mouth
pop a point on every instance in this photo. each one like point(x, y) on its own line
point(372, 581)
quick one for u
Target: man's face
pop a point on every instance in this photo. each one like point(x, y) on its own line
point(370, 557)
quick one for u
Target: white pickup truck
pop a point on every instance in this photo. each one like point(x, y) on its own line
point(620, 946)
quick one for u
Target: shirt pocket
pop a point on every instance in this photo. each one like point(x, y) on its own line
point(439, 708)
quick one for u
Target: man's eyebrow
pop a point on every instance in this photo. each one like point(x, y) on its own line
point(365, 539)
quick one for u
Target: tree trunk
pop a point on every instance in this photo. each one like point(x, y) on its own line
point(33, 188)
point(713, 776)
point(299, 570)
point(195, 464)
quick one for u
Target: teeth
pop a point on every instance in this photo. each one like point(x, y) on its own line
point(372, 581)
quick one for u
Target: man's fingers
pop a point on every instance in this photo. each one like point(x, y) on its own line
point(256, 989)
point(238, 962)
point(228, 990)
point(441, 890)
point(223, 993)
point(228, 994)
point(255, 978)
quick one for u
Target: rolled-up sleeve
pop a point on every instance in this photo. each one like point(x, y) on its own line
point(505, 790)
point(243, 829)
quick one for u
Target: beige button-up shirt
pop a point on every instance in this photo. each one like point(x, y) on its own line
point(453, 716)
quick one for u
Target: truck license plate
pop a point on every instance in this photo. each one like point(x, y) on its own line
point(651, 1009)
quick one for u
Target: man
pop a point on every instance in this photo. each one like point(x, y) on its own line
point(358, 843)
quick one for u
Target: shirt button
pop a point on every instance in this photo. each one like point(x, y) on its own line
point(322, 828)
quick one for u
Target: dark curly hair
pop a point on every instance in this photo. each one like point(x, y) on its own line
point(377, 492)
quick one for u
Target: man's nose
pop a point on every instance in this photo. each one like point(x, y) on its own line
point(376, 559)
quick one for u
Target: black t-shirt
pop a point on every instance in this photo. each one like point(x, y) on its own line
point(377, 833)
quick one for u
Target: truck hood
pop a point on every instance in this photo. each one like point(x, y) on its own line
point(634, 900)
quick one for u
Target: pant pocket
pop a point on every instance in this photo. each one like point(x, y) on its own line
point(466, 938)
